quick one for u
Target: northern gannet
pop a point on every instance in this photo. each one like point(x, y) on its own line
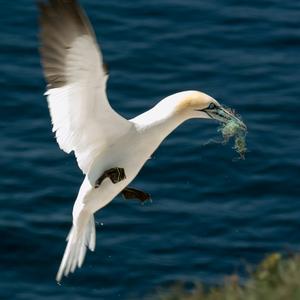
point(109, 149)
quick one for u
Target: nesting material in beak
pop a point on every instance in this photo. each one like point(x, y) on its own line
point(231, 126)
point(234, 127)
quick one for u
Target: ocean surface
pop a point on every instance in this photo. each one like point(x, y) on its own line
point(211, 215)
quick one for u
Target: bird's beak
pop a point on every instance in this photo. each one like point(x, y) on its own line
point(223, 115)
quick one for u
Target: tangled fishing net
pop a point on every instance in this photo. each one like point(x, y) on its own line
point(234, 129)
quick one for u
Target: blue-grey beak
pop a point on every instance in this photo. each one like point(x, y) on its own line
point(223, 115)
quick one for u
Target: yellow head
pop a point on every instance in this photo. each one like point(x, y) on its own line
point(195, 104)
point(192, 104)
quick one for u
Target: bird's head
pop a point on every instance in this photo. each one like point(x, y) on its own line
point(194, 104)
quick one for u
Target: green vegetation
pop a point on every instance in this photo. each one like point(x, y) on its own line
point(234, 129)
point(276, 278)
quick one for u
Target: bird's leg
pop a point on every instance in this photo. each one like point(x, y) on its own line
point(130, 193)
point(115, 175)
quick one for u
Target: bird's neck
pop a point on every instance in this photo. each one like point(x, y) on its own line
point(157, 123)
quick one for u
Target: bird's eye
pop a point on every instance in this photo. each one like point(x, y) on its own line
point(212, 106)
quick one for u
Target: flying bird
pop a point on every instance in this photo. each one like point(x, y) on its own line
point(110, 150)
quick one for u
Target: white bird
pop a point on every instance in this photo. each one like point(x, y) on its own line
point(109, 149)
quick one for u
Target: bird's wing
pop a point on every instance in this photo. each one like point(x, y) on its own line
point(82, 118)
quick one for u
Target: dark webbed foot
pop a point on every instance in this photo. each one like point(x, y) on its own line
point(115, 175)
point(130, 193)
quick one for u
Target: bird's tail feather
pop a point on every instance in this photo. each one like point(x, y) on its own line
point(81, 236)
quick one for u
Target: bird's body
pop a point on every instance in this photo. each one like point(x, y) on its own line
point(105, 144)
point(130, 151)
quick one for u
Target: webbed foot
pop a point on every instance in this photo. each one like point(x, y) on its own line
point(130, 193)
point(115, 175)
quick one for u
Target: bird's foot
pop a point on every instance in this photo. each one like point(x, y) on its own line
point(115, 175)
point(130, 193)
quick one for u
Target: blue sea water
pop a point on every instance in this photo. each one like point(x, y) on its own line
point(211, 215)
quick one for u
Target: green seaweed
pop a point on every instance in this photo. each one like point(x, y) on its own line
point(234, 129)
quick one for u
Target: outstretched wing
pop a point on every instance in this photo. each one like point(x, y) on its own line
point(82, 118)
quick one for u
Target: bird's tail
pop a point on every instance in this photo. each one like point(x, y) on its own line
point(81, 236)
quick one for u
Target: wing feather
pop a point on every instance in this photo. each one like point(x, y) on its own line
point(82, 117)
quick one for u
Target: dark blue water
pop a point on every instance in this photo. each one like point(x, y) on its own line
point(210, 215)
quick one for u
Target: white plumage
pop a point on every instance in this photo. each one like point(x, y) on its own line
point(85, 123)
point(79, 107)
